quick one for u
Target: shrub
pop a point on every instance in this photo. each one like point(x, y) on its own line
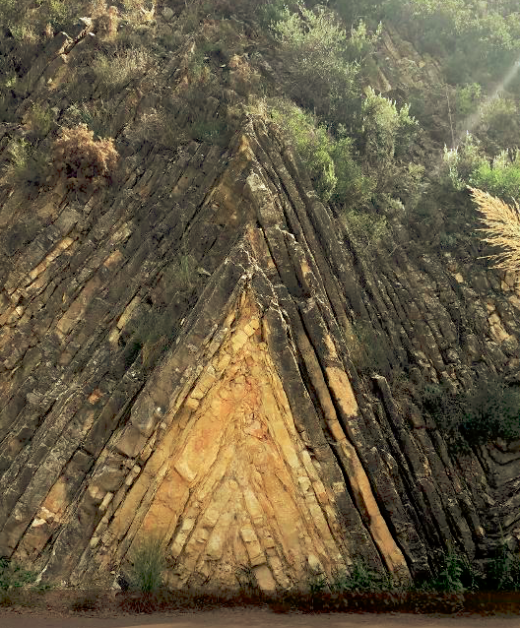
point(312, 142)
point(39, 120)
point(493, 411)
point(503, 572)
point(271, 12)
point(118, 71)
point(9, 12)
point(352, 12)
point(472, 39)
point(329, 161)
point(148, 561)
point(500, 178)
point(488, 411)
point(499, 125)
point(81, 160)
point(86, 601)
point(387, 133)
point(318, 60)
point(455, 573)
point(352, 186)
point(317, 581)
point(61, 14)
point(459, 163)
point(107, 21)
point(451, 572)
point(369, 351)
point(361, 578)
point(27, 166)
point(156, 126)
point(369, 229)
point(13, 575)
point(467, 99)
point(210, 131)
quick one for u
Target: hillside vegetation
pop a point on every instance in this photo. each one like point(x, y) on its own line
point(315, 70)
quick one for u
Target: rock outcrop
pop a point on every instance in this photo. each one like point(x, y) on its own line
point(176, 359)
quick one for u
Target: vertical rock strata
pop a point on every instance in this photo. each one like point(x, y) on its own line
point(175, 361)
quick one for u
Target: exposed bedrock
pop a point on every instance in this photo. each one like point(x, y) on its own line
point(176, 360)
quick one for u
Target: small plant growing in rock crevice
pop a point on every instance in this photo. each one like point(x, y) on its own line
point(12, 576)
point(361, 578)
point(27, 166)
point(503, 572)
point(147, 563)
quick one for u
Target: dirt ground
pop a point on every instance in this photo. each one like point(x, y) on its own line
point(252, 619)
point(97, 608)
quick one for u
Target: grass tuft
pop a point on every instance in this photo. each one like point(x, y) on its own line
point(502, 227)
point(148, 561)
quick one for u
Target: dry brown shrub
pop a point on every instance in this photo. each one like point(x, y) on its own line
point(81, 161)
point(502, 227)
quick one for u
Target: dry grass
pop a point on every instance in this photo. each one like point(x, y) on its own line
point(502, 227)
point(118, 70)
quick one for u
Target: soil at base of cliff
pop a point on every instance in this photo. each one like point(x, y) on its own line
point(76, 603)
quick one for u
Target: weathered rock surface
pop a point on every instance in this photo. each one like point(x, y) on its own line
point(175, 359)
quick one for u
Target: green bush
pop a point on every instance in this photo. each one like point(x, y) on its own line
point(147, 563)
point(467, 100)
point(329, 161)
point(353, 188)
point(501, 178)
point(269, 13)
point(503, 572)
point(370, 352)
point(9, 12)
point(354, 11)
point(480, 40)
point(210, 131)
point(13, 575)
point(499, 125)
point(317, 581)
point(455, 574)
point(459, 163)
point(27, 166)
point(493, 411)
point(369, 229)
point(321, 72)
point(488, 411)
point(387, 133)
point(361, 578)
point(312, 142)
point(40, 120)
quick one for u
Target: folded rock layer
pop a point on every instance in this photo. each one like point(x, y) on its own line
point(176, 363)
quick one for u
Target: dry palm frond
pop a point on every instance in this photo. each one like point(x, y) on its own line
point(502, 226)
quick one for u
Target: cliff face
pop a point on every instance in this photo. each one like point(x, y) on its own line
point(177, 359)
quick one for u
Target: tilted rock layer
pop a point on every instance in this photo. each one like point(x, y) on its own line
point(236, 429)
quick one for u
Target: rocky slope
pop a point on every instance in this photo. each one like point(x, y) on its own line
point(177, 359)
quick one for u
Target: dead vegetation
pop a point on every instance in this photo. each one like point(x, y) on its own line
point(81, 161)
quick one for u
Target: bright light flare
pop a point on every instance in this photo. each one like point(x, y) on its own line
point(473, 120)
